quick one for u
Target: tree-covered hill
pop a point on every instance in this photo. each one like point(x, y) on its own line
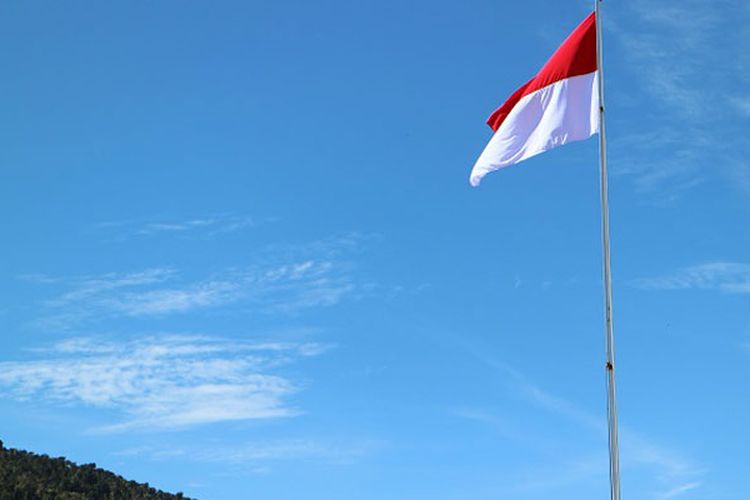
point(28, 476)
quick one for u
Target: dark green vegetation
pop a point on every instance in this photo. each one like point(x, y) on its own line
point(27, 476)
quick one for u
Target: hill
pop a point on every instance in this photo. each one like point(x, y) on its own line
point(28, 476)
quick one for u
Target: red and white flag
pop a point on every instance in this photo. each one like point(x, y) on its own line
point(559, 105)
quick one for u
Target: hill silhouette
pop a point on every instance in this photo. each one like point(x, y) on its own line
point(28, 476)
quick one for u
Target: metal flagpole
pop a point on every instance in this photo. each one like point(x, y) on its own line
point(614, 452)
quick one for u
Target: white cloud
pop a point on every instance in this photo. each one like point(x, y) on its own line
point(330, 452)
point(687, 58)
point(85, 287)
point(636, 450)
point(729, 277)
point(205, 226)
point(285, 280)
point(659, 161)
point(679, 490)
point(162, 382)
point(741, 103)
point(261, 455)
point(668, 467)
point(172, 300)
point(672, 45)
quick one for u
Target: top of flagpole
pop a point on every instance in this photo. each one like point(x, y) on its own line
point(599, 59)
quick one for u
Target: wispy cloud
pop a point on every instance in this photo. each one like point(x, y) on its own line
point(660, 162)
point(265, 453)
point(741, 104)
point(280, 281)
point(209, 225)
point(729, 277)
point(636, 449)
point(91, 286)
point(685, 57)
point(679, 490)
point(668, 467)
point(162, 382)
point(678, 50)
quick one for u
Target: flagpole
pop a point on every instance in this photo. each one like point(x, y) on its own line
point(614, 451)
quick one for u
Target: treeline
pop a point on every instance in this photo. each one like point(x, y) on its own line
point(28, 476)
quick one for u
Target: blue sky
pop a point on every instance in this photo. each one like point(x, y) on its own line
point(242, 258)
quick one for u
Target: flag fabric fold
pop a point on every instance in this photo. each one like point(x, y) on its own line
point(559, 105)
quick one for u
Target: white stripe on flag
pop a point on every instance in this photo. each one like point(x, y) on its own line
point(563, 112)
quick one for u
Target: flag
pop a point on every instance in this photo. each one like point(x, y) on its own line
point(559, 105)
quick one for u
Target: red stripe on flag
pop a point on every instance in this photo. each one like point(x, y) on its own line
point(575, 57)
